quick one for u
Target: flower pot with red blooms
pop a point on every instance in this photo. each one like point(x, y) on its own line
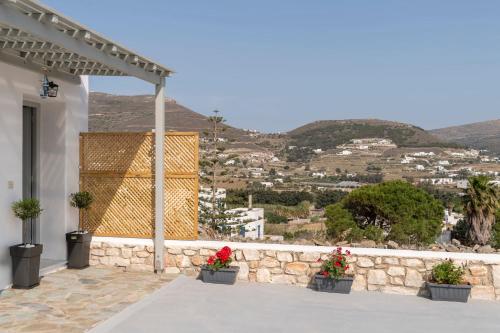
point(332, 277)
point(218, 268)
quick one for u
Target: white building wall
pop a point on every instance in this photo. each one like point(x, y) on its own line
point(61, 120)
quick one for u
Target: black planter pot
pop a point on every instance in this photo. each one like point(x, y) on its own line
point(449, 292)
point(221, 276)
point(78, 249)
point(329, 285)
point(25, 266)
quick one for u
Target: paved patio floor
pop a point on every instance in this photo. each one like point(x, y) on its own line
point(74, 300)
point(188, 305)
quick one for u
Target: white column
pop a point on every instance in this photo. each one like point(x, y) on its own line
point(159, 172)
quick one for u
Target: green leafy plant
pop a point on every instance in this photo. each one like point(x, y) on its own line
point(81, 200)
point(26, 210)
point(336, 265)
point(447, 273)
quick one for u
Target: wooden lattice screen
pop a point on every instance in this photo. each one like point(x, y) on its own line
point(117, 168)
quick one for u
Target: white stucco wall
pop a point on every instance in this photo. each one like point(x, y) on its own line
point(61, 120)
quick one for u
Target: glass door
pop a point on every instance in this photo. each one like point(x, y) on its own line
point(30, 167)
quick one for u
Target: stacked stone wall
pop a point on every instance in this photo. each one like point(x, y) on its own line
point(390, 271)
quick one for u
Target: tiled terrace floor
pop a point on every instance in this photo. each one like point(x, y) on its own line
point(74, 300)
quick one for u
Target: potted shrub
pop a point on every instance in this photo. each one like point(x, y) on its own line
point(78, 242)
point(332, 277)
point(447, 283)
point(218, 269)
point(26, 256)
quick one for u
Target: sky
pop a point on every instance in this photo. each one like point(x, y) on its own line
point(275, 65)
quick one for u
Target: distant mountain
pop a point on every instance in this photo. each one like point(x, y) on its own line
point(109, 113)
point(327, 134)
point(481, 135)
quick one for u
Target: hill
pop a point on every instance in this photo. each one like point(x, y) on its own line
point(136, 114)
point(327, 134)
point(481, 135)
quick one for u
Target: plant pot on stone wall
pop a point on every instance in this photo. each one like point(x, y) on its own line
point(327, 284)
point(449, 292)
point(78, 249)
point(221, 276)
point(25, 265)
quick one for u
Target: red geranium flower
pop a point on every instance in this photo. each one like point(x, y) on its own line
point(211, 260)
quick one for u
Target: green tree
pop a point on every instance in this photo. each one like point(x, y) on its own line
point(481, 203)
point(325, 198)
point(403, 212)
point(211, 208)
point(340, 224)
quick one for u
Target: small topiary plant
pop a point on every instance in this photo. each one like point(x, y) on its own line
point(81, 200)
point(447, 273)
point(26, 210)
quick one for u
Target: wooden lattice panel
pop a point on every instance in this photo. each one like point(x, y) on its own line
point(117, 168)
point(117, 152)
point(179, 201)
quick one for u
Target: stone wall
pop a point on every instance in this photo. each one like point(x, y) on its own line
point(390, 271)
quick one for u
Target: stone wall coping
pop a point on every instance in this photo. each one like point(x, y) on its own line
point(492, 258)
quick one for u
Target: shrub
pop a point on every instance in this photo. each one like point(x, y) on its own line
point(81, 200)
point(460, 231)
point(447, 273)
point(374, 233)
point(275, 218)
point(26, 209)
point(336, 265)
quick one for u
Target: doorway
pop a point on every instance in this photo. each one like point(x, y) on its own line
point(30, 168)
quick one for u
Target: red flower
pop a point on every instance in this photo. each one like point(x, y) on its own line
point(325, 273)
point(339, 250)
point(224, 254)
point(348, 252)
point(211, 260)
point(338, 264)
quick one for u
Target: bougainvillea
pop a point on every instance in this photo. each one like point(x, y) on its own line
point(222, 259)
point(336, 265)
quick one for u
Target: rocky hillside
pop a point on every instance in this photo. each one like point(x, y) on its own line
point(482, 135)
point(136, 114)
point(327, 134)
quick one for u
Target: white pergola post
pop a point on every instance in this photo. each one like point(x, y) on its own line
point(159, 240)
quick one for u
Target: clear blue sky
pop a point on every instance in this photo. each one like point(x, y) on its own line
point(274, 65)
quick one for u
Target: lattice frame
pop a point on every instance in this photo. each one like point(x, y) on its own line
point(118, 169)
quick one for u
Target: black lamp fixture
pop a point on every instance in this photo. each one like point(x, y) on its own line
point(49, 88)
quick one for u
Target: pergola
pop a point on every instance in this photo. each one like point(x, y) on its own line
point(39, 38)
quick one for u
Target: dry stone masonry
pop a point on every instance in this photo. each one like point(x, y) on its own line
point(389, 271)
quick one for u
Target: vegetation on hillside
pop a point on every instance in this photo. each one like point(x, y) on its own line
point(329, 134)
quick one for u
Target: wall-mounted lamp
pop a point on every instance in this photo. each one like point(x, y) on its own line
point(49, 88)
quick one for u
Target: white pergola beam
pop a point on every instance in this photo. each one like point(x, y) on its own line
point(48, 32)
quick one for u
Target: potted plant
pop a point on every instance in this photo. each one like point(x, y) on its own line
point(26, 256)
point(218, 269)
point(332, 277)
point(79, 241)
point(447, 283)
